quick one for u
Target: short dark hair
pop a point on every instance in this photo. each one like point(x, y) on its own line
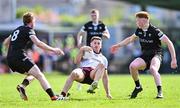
point(28, 17)
point(94, 11)
point(142, 14)
point(96, 38)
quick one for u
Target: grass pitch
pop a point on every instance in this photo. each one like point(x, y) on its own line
point(121, 86)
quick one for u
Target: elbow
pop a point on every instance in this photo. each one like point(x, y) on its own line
point(38, 44)
point(76, 61)
point(107, 36)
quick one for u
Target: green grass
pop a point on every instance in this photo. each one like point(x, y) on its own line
point(121, 87)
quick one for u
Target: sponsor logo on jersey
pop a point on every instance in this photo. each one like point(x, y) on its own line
point(146, 41)
point(140, 33)
point(95, 33)
point(90, 28)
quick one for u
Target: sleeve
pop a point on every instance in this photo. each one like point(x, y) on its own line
point(159, 33)
point(31, 32)
point(84, 28)
point(106, 29)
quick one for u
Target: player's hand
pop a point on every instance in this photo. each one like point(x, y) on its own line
point(109, 96)
point(174, 64)
point(58, 51)
point(114, 48)
point(86, 48)
point(106, 35)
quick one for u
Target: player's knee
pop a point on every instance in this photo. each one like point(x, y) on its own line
point(101, 66)
point(74, 75)
point(38, 75)
point(132, 66)
point(153, 70)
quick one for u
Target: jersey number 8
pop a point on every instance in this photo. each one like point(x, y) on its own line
point(15, 34)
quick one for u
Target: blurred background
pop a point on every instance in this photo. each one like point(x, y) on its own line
point(59, 21)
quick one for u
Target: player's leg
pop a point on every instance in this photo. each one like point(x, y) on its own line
point(96, 74)
point(27, 80)
point(137, 64)
point(76, 75)
point(35, 71)
point(21, 87)
point(154, 68)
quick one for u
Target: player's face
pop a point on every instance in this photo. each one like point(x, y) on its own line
point(33, 23)
point(96, 45)
point(141, 22)
point(94, 16)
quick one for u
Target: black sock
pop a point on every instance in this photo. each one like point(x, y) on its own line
point(137, 83)
point(50, 92)
point(159, 89)
point(25, 82)
point(63, 93)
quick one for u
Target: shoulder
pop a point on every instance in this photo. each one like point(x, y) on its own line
point(155, 29)
point(152, 27)
point(101, 23)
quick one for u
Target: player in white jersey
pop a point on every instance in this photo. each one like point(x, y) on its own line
point(93, 67)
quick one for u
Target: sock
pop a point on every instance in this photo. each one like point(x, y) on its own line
point(137, 83)
point(50, 92)
point(159, 89)
point(63, 93)
point(25, 82)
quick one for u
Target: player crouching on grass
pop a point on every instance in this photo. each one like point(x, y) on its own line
point(93, 67)
point(150, 39)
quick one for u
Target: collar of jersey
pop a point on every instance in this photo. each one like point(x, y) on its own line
point(96, 52)
point(95, 24)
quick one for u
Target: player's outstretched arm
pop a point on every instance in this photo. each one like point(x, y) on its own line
point(44, 46)
point(105, 80)
point(125, 42)
point(170, 45)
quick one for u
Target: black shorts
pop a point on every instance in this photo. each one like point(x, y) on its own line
point(147, 58)
point(87, 79)
point(20, 64)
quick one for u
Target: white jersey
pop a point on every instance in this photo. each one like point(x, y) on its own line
point(92, 60)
